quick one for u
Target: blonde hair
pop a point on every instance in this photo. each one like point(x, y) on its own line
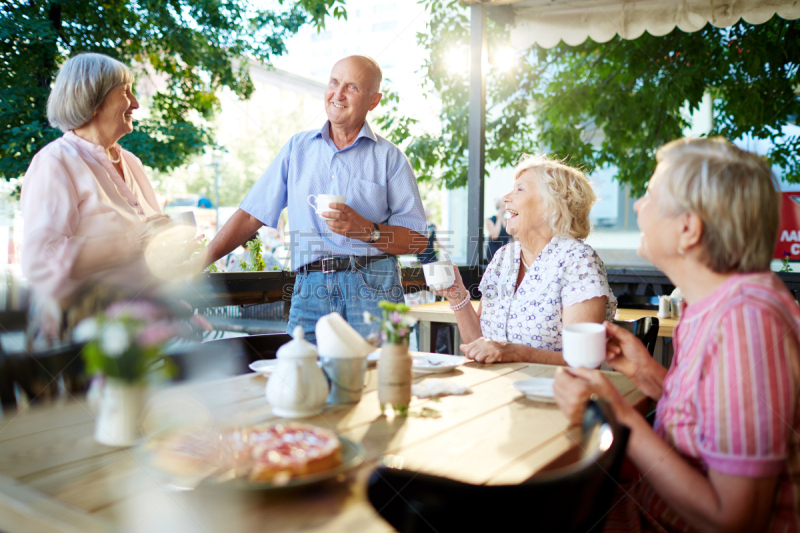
point(82, 83)
point(734, 193)
point(566, 194)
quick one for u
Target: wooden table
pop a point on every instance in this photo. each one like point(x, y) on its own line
point(54, 477)
point(440, 312)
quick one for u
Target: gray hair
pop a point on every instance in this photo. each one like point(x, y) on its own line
point(734, 193)
point(82, 83)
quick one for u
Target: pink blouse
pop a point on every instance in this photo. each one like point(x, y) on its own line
point(72, 195)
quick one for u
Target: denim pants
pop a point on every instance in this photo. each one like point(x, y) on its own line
point(347, 292)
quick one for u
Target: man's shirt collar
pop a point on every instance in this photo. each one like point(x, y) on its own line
point(366, 131)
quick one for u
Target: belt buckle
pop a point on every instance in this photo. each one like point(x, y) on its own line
point(325, 269)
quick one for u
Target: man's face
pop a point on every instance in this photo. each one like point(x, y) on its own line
point(349, 95)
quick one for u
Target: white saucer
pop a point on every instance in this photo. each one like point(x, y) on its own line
point(435, 363)
point(372, 357)
point(536, 389)
point(263, 366)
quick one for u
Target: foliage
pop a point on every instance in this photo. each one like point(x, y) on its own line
point(192, 47)
point(256, 257)
point(395, 325)
point(212, 268)
point(608, 103)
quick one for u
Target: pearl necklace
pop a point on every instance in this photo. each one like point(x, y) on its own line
point(114, 161)
point(522, 258)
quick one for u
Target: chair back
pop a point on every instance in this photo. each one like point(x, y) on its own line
point(575, 498)
point(645, 328)
point(43, 375)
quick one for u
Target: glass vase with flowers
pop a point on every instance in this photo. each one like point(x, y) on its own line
point(394, 365)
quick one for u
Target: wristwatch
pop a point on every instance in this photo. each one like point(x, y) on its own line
point(375, 235)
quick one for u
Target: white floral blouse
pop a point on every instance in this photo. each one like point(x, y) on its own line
point(567, 272)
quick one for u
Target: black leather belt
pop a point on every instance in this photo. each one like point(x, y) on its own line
point(335, 264)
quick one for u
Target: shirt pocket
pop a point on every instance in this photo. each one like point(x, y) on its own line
point(369, 199)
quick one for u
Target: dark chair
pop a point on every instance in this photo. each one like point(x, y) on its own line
point(42, 375)
point(575, 498)
point(254, 347)
point(635, 301)
point(645, 328)
point(226, 356)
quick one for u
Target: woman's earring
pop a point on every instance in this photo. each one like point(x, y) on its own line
point(681, 251)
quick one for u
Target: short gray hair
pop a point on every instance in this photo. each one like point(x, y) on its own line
point(734, 193)
point(82, 83)
point(566, 194)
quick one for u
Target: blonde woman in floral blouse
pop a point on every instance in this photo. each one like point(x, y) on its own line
point(545, 279)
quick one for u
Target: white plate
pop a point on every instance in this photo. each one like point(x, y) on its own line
point(372, 358)
point(435, 363)
point(263, 366)
point(537, 389)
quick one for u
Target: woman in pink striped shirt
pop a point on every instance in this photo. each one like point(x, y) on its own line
point(724, 453)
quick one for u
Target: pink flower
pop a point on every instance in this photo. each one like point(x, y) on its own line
point(402, 332)
point(135, 309)
point(396, 317)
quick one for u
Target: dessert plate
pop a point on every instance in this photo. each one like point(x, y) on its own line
point(435, 363)
point(537, 389)
point(352, 456)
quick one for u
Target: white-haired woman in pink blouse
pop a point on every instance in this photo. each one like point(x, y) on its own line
point(87, 205)
point(544, 280)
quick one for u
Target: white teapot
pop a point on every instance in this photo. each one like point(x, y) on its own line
point(297, 388)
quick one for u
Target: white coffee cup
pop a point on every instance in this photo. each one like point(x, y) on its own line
point(323, 202)
point(439, 274)
point(584, 344)
point(183, 219)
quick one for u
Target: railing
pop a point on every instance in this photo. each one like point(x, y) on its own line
point(250, 288)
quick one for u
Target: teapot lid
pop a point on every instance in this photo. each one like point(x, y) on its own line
point(299, 347)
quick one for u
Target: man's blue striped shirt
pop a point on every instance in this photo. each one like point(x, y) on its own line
point(372, 173)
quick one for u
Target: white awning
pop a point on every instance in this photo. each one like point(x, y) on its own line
point(546, 22)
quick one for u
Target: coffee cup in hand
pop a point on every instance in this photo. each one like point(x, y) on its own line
point(183, 219)
point(584, 344)
point(321, 203)
point(439, 275)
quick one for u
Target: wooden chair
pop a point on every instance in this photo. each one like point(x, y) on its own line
point(575, 498)
point(645, 328)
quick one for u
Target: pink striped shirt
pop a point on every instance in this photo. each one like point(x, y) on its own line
point(731, 395)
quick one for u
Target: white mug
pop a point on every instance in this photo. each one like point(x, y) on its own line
point(183, 219)
point(439, 274)
point(323, 202)
point(584, 344)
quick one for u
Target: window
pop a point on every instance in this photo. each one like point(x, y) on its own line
point(322, 36)
point(384, 26)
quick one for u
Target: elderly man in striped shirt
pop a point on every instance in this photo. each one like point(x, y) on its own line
point(345, 258)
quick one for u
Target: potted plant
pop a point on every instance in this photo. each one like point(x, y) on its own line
point(124, 345)
point(394, 365)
